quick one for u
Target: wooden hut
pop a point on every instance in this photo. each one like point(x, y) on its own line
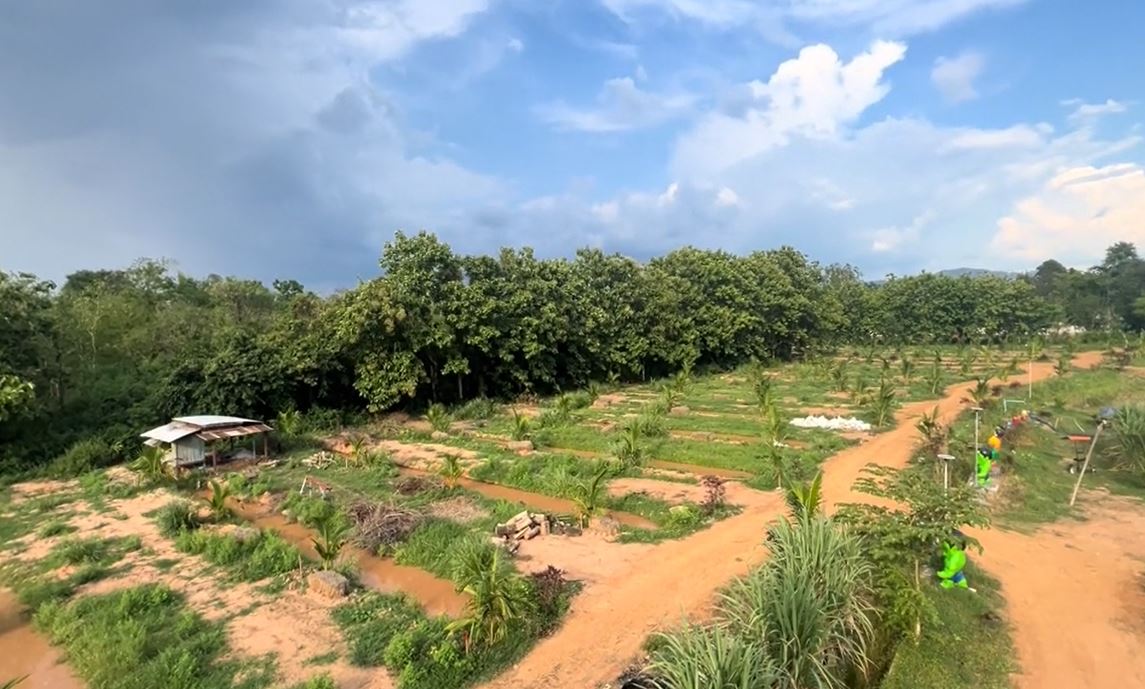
point(195, 440)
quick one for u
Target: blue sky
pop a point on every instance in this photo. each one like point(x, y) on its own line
point(291, 138)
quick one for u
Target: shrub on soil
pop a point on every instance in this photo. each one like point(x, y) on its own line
point(176, 517)
point(82, 457)
point(55, 529)
point(263, 557)
point(141, 638)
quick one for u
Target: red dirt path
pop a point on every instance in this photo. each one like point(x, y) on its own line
point(611, 619)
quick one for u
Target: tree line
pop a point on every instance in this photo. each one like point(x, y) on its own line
point(111, 352)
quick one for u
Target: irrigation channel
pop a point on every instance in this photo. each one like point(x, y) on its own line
point(436, 596)
point(23, 652)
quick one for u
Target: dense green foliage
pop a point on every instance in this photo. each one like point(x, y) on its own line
point(803, 619)
point(112, 352)
point(144, 637)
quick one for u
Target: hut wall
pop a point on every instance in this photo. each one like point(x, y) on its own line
point(190, 450)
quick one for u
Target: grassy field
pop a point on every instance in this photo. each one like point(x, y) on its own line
point(1036, 483)
point(968, 646)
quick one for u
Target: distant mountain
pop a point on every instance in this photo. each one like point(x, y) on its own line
point(977, 273)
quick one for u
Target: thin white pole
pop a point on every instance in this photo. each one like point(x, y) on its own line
point(1088, 454)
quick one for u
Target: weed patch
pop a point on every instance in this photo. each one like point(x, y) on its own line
point(145, 637)
point(265, 556)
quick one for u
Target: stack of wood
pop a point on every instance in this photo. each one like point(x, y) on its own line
point(523, 527)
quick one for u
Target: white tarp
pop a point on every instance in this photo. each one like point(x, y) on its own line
point(836, 423)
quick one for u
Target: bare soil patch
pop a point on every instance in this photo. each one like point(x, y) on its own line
point(663, 490)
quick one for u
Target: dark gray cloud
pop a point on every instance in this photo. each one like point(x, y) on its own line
point(233, 137)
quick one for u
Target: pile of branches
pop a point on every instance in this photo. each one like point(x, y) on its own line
point(379, 526)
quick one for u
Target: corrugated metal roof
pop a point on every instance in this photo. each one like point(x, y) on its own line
point(234, 431)
point(170, 432)
point(212, 421)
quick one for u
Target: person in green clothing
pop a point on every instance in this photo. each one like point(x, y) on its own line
point(954, 561)
point(987, 455)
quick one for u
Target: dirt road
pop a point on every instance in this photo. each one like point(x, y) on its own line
point(1074, 597)
point(611, 619)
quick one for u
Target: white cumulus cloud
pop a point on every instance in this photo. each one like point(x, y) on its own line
point(1077, 214)
point(812, 95)
point(954, 77)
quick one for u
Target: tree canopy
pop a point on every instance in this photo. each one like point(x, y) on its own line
point(112, 352)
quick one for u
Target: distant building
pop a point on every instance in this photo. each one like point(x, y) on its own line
point(195, 440)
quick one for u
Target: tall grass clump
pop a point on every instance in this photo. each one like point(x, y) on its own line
point(1129, 427)
point(176, 517)
point(261, 557)
point(804, 619)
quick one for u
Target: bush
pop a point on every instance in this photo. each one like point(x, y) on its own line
point(176, 517)
point(82, 457)
point(370, 621)
point(266, 556)
point(478, 409)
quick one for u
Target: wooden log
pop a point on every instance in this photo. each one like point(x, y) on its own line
point(532, 533)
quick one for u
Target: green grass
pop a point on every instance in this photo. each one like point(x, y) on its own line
point(391, 631)
point(91, 551)
point(55, 528)
point(1036, 484)
point(434, 545)
point(968, 648)
point(323, 658)
point(267, 556)
point(319, 682)
point(146, 637)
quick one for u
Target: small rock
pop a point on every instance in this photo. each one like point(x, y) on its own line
point(520, 445)
point(679, 410)
point(328, 583)
point(439, 435)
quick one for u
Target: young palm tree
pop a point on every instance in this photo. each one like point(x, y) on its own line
point(806, 500)
point(150, 463)
point(980, 393)
point(936, 374)
point(289, 423)
point(498, 597)
point(220, 491)
point(839, 375)
point(628, 447)
point(906, 366)
point(451, 471)
point(933, 433)
point(882, 402)
point(438, 417)
point(588, 496)
point(332, 531)
point(359, 449)
point(520, 426)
